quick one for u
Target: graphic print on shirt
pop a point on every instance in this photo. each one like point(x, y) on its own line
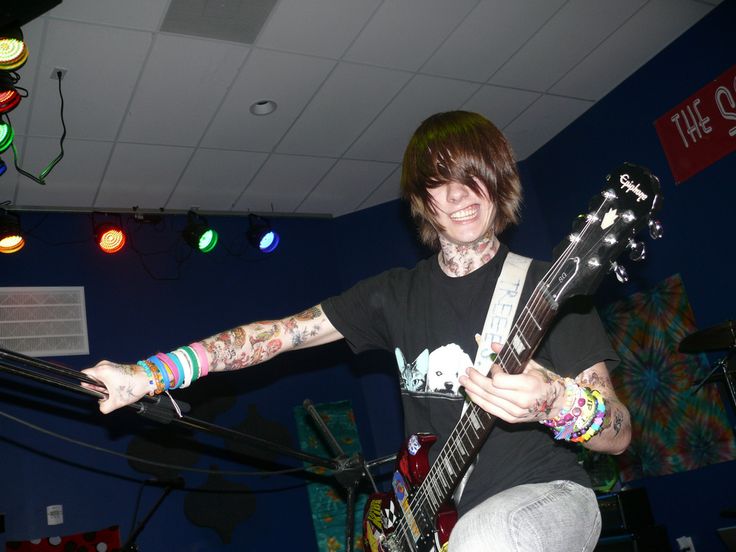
point(436, 372)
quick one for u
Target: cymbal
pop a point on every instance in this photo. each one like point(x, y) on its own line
point(715, 338)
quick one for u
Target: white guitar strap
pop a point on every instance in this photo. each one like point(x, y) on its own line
point(499, 320)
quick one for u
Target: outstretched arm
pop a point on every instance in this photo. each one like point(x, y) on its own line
point(233, 349)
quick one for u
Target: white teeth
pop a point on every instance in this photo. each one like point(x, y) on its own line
point(464, 214)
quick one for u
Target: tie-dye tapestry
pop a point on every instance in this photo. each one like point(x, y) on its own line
point(329, 509)
point(674, 429)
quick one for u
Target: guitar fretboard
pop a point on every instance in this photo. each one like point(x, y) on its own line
point(475, 424)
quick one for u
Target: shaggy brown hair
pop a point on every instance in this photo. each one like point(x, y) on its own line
point(459, 146)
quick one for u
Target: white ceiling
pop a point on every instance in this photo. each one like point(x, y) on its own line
point(158, 120)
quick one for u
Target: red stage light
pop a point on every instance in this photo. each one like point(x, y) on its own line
point(111, 239)
point(9, 99)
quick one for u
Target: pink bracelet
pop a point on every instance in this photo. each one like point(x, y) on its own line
point(173, 370)
point(204, 361)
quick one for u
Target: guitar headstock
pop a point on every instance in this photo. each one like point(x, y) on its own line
point(616, 216)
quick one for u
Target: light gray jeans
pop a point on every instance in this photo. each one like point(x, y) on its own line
point(560, 516)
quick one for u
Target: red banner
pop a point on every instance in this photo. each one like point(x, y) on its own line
point(702, 129)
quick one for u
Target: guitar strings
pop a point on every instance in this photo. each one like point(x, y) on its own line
point(424, 494)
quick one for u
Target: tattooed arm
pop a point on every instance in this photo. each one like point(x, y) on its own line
point(229, 350)
point(616, 433)
point(257, 342)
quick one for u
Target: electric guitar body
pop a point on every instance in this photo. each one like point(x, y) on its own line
point(417, 515)
point(390, 516)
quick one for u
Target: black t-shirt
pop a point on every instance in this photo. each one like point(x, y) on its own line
point(429, 320)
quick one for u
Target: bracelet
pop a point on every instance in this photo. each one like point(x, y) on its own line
point(193, 360)
point(163, 372)
point(204, 362)
point(149, 374)
point(178, 367)
point(173, 372)
point(159, 379)
point(597, 423)
point(566, 414)
point(186, 367)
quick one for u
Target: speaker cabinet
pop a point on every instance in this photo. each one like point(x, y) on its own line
point(625, 512)
point(650, 539)
point(628, 524)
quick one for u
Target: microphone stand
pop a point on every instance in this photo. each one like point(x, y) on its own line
point(130, 544)
point(727, 375)
point(348, 470)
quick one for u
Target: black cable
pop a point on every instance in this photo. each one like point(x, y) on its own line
point(40, 179)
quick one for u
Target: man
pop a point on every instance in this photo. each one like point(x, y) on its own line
point(526, 491)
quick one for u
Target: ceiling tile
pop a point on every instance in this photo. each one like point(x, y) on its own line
point(136, 14)
point(390, 190)
point(500, 105)
point(387, 137)
point(404, 33)
point(492, 32)
point(214, 179)
point(103, 65)
point(288, 79)
point(346, 186)
point(182, 85)
point(563, 42)
point(541, 122)
point(282, 183)
point(73, 181)
point(318, 27)
point(141, 175)
point(349, 100)
point(635, 43)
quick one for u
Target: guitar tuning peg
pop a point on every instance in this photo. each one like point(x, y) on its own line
point(620, 272)
point(637, 250)
point(656, 230)
point(578, 223)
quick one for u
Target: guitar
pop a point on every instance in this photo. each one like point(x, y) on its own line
point(418, 515)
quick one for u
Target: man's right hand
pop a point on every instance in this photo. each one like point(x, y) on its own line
point(123, 384)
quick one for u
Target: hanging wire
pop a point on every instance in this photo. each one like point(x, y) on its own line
point(41, 178)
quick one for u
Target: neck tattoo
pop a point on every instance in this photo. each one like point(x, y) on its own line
point(462, 259)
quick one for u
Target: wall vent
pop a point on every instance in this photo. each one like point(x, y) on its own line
point(43, 321)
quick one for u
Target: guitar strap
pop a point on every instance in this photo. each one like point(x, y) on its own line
point(500, 317)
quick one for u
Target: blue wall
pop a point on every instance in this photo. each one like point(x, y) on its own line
point(138, 304)
point(698, 219)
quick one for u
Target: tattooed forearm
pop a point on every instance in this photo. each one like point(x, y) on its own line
point(257, 342)
point(595, 381)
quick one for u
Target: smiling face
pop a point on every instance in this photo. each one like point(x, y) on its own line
point(450, 149)
point(462, 215)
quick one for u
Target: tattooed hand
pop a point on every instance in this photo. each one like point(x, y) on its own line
point(535, 394)
point(123, 384)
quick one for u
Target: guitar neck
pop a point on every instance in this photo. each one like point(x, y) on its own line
point(475, 424)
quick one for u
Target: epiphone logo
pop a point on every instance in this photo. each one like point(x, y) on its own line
point(627, 185)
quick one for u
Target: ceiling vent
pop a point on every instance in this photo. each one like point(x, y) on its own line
point(43, 321)
point(231, 20)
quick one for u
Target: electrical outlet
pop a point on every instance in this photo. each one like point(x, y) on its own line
point(57, 70)
point(55, 514)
